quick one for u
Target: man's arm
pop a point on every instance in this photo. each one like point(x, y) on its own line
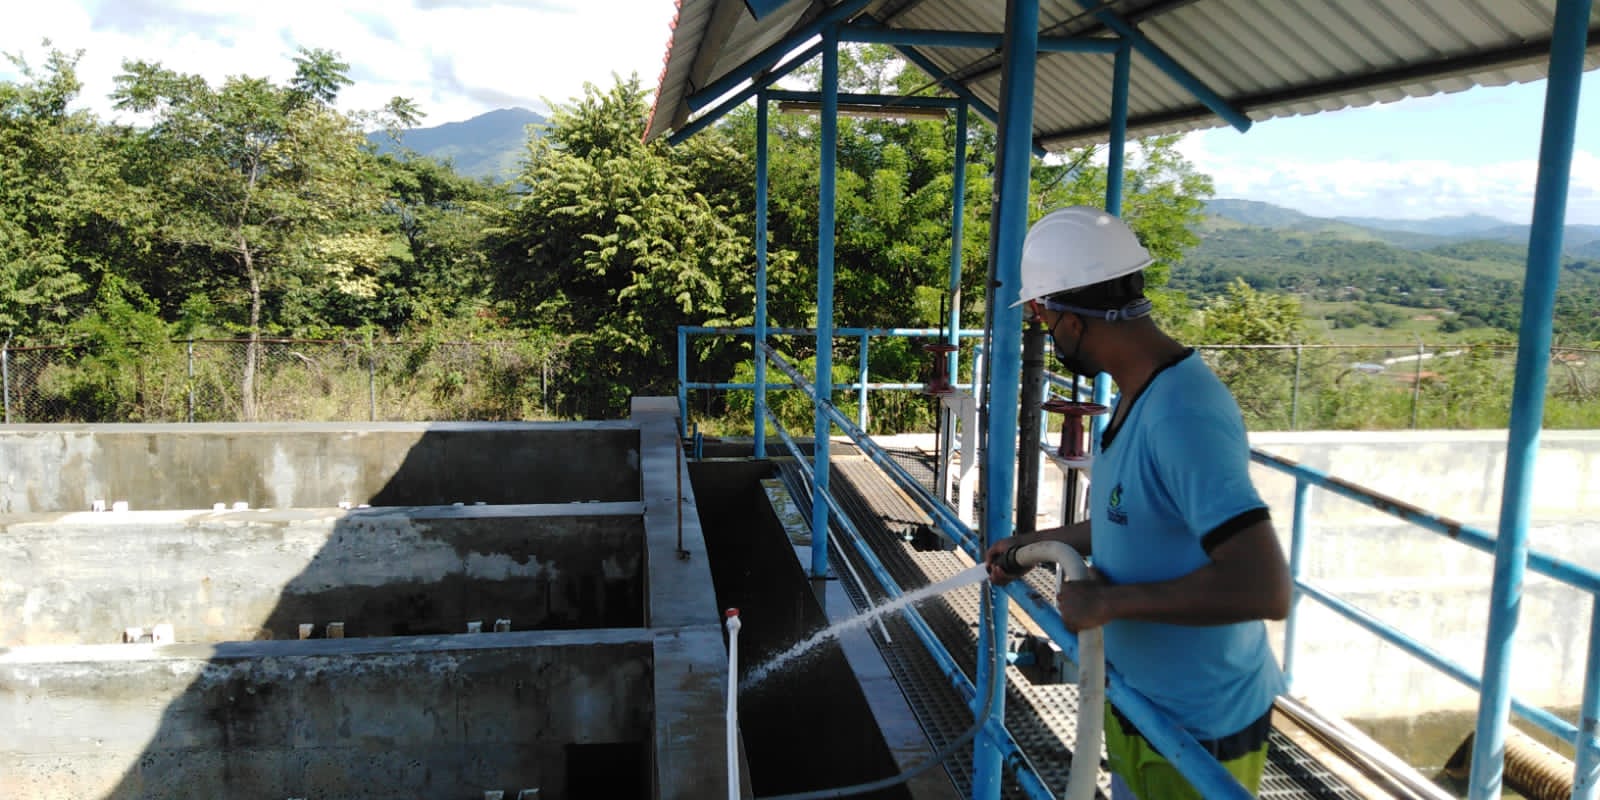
point(1075, 536)
point(1247, 579)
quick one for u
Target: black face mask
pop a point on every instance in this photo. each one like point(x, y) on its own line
point(1073, 362)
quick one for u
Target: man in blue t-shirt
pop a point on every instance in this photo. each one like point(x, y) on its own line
point(1187, 561)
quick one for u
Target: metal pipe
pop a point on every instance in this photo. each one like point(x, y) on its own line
point(958, 211)
point(1177, 745)
point(1564, 571)
point(704, 120)
point(683, 381)
point(1567, 51)
point(746, 330)
point(1029, 427)
point(732, 723)
point(1183, 77)
point(913, 37)
point(829, 159)
point(954, 87)
point(1534, 714)
point(1020, 55)
point(190, 357)
point(760, 354)
point(866, 99)
point(1116, 166)
point(861, 384)
point(1586, 777)
point(770, 56)
point(1021, 769)
point(1297, 540)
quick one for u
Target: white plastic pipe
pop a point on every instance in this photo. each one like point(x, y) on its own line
point(1091, 668)
point(733, 626)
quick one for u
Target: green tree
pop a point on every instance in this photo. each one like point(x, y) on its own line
point(261, 186)
point(1259, 379)
point(614, 246)
point(65, 214)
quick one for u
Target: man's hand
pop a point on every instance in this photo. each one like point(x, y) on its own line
point(996, 552)
point(1083, 603)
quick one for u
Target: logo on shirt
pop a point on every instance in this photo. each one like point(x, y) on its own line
point(1114, 510)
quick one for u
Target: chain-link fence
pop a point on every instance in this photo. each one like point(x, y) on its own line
point(283, 380)
point(1386, 387)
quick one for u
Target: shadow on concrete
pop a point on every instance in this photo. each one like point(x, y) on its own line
point(420, 709)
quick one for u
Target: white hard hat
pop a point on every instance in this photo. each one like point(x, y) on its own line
point(1074, 247)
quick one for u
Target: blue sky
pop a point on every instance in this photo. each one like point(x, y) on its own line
point(1471, 152)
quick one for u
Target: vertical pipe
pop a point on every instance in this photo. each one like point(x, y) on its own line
point(1019, 58)
point(683, 382)
point(1030, 427)
point(1586, 781)
point(1527, 395)
point(825, 223)
point(1294, 394)
point(1116, 157)
point(958, 212)
point(760, 353)
point(1416, 385)
point(5, 377)
point(732, 723)
point(190, 351)
point(861, 386)
point(1302, 496)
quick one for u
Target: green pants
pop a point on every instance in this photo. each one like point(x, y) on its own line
point(1152, 777)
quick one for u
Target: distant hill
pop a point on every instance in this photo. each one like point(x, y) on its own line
point(1579, 241)
point(487, 146)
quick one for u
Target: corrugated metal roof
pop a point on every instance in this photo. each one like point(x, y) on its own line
point(1267, 58)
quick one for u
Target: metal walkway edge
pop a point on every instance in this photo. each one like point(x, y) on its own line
point(1041, 717)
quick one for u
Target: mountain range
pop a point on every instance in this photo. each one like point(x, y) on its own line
point(490, 145)
point(1578, 241)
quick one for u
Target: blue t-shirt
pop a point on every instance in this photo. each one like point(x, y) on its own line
point(1176, 470)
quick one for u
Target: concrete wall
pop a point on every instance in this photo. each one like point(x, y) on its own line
point(48, 468)
point(420, 717)
point(1433, 588)
point(83, 578)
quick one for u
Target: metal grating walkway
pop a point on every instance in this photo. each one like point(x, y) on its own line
point(1041, 717)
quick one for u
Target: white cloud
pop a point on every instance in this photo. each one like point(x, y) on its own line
point(456, 58)
point(1407, 188)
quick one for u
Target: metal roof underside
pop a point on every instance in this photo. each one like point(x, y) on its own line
point(1266, 58)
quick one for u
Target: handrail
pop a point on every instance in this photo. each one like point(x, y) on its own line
point(1194, 762)
point(1584, 739)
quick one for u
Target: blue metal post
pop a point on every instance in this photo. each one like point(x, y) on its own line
point(825, 223)
point(1116, 157)
point(861, 386)
point(958, 213)
point(1005, 363)
point(1302, 497)
point(761, 277)
point(683, 381)
point(1586, 781)
point(1567, 44)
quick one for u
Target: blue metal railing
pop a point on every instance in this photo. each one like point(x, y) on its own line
point(1583, 736)
point(1178, 745)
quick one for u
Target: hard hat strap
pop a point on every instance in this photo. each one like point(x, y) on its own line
point(1134, 310)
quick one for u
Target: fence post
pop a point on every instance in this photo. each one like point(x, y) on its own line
point(189, 350)
point(861, 413)
point(372, 380)
point(5, 376)
point(1294, 394)
point(1416, 385)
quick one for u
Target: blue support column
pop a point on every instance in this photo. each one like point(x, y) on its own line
point(761, 277)
point(999, 459)
point(861, 385)
point(1116, 158)
point(1586, 779)
point(1302, 496)
point(958, 213)
point(825, 224)
point(1567, 45)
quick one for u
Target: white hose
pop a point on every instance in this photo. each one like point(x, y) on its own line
point(733, 626)
point(1091, 668)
